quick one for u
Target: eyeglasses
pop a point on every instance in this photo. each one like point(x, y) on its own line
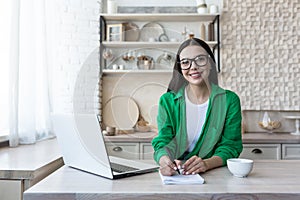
point(200, 61)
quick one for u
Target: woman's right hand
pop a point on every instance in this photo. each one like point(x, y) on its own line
point(167, 167)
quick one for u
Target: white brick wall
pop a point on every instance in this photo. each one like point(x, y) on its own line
point(77, 64)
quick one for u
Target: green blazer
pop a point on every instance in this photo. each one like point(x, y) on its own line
point(221, 132)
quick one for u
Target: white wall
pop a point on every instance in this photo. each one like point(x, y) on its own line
point(76, 55)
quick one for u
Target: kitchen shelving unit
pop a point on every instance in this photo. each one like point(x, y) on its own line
point(159, 17)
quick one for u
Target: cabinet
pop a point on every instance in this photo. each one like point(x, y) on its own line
point(261, 151)
point(271, 151)
point(11, 189)
point(290, 151)
point(26, 165)
point(146, 151)
point(130, 150)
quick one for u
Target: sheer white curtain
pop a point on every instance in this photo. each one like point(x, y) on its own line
point(30, 62)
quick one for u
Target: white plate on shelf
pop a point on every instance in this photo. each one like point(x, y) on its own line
point(121, 112)
point(153, 112)
point(151, 30)
point(147, 97)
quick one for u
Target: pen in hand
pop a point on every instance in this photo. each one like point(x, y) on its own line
point(177, 169)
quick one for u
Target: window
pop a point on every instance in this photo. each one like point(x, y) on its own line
point(5, 17)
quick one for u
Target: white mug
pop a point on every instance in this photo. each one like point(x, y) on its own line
point(213, 9)
point(115, 66)
point(121, 67)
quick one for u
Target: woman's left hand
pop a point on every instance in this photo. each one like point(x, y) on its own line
point(194, 165)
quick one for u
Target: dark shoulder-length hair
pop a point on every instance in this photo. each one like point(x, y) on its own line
point(178, 81)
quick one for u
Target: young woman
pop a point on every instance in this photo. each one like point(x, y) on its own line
point(199, 123)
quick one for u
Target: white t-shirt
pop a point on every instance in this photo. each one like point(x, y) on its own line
point(195, 118)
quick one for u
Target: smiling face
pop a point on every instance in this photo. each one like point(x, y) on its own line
point(195, 75)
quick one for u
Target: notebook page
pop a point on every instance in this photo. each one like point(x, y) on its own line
point(180, 179)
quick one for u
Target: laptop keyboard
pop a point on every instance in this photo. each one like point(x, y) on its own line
point(121, 168)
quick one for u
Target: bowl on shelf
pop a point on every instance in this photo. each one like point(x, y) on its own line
point(240, 167)
point(145, 62)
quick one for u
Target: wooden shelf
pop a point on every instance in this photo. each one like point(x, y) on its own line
point(136, 71)
point(172, 17)
point(114, 44)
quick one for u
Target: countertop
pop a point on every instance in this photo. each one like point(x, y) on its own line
point(30, 162)
point(133, 137)
point(272, 179)
point(273, 138)
point(248, 138)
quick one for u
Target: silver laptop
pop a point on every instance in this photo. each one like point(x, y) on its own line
point(83, 147)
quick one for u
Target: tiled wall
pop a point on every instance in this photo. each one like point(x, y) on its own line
point(261, 53)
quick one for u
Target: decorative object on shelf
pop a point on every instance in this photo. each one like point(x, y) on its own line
point(191, 35)
point(110, 131)
point(151, 30)
point(166, 59)
point(125, 131)
point(115, 32)
point(129, 56)
point(297, 124)
point(184, 33)
point(201, 7)
point(117, 67)
point(211, 30)
point(268, 124)
point(163, 38)
point(107, 54)
point(202, 31)
point(142, 125)
point(112, 7)
point(132, 31)
point(145, 62)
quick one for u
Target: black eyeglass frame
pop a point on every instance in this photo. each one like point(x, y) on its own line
point(193, 60)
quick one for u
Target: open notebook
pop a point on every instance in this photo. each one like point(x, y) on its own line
point(180, 179)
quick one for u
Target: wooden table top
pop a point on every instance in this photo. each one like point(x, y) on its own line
point(272, 179)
